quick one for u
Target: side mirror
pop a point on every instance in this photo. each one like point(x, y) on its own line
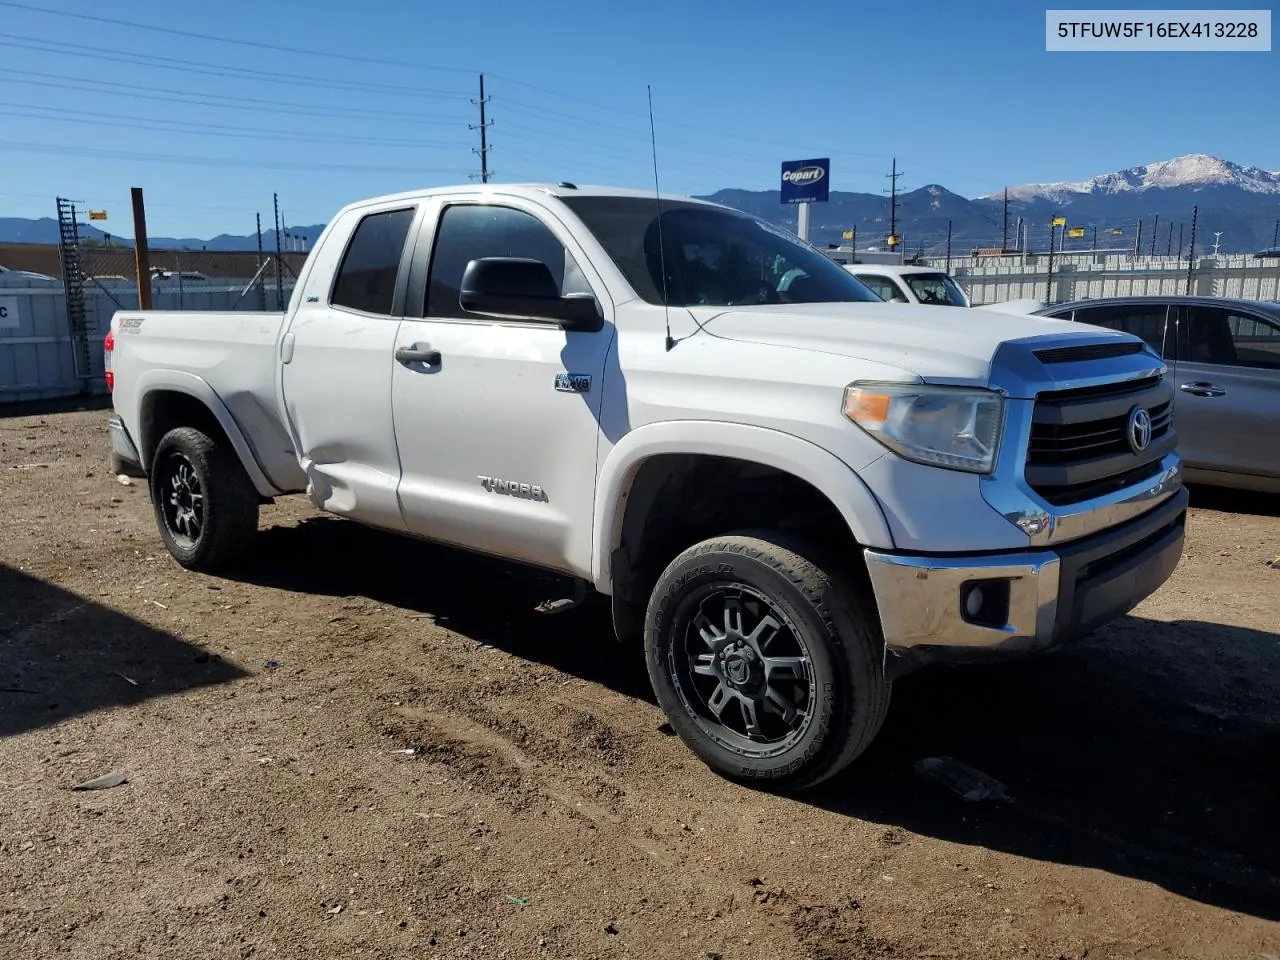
point(524, 289)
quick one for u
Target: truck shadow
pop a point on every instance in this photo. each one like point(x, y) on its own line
point(1147, 751)
point(62, 655)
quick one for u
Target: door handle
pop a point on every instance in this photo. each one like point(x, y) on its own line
point(418, 353)
point(1201, 388)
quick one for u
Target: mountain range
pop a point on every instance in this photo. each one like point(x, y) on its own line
point(1242, 202)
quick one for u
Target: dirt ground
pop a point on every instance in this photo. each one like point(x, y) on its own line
point(361, 746)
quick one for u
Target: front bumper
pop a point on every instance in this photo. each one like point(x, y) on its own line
point(1031, 601)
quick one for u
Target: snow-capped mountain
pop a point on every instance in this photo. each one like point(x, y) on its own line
point(1194, 171)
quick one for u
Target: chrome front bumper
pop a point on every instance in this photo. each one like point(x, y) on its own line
point(1032, 600)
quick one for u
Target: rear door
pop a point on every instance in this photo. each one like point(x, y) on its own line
point(337, 358)
point(1227, 405)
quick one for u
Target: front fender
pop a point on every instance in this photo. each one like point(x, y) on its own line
point(176, 381)
point(826, 472)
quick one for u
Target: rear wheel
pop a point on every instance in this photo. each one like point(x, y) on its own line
point(768, 666)
point(205, 505)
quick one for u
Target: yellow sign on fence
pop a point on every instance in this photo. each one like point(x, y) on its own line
point(1059, 221)
point(97, 214)
point(1076, 232)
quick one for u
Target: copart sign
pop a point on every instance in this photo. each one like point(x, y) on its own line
point(806, 181)
point(8, 313)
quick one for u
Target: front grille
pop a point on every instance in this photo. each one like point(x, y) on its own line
point(1079, 446)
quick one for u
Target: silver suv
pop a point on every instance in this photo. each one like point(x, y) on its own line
point(1224, 358)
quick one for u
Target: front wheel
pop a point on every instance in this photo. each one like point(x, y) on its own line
point(206, 507)
point(768, 666)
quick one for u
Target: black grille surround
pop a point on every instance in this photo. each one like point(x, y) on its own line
point(1079, 447)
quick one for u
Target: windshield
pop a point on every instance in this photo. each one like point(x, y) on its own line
point(936, 289)
point(713, 257)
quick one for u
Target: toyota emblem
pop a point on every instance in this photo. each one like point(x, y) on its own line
point(1139, 429)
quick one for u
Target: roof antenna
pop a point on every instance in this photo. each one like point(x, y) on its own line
point(662, 247)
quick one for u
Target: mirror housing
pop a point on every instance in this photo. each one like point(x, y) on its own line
point(524, 289)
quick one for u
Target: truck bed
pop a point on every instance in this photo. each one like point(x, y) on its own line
point(233, 353)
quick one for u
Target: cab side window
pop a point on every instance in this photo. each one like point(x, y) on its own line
point(1219, 336)
point(366, 279)
point(474, 231)
point(1145, 321)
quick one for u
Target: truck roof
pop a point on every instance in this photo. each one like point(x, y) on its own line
point(891, 268)
point(531, 191)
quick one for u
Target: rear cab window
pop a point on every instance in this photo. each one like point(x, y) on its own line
point(366, 278)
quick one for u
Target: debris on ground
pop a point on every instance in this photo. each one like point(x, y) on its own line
point(104, 782)
point(124, 480)
point(961, 779)
point(129, 680)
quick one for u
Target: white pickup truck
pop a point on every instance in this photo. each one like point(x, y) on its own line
point(792, 492)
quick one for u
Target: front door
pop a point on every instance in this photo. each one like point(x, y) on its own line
point(337, 360)
point(1227, 405)
point(497, 420)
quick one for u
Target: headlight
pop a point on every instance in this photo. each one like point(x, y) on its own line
point(954, 427)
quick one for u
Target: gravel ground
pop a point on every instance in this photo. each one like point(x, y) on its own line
point(362, 746)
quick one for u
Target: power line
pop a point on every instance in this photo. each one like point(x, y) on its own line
point(235, 103)
point(279, 48)
point(219, 70)
point(57, 150)
point(98, 118)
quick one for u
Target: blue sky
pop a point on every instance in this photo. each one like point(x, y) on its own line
point(962, 94)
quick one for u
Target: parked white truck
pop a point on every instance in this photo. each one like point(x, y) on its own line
point(791, 495)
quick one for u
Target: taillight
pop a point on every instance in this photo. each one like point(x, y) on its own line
point(108, 345)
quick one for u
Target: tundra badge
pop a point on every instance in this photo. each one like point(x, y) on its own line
point(573, 382)
point(525, 491)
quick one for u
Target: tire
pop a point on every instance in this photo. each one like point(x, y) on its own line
point(216, 527)
point(825, 658)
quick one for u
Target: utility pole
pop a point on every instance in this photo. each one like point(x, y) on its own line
point(1216, 241)
point(141, 252)
point(1004, 234)
point(893, 205)
point(483, 152)
point(1275, 237)
point(1137, 242)
point(1048, 280)
point(1168, 250)
point(1095, 239)
point(1179, 238)
point(275, 200)
point(1154, 227)
point(262, 289)
point(1191, 254)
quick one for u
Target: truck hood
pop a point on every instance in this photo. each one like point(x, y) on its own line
point(934, 343)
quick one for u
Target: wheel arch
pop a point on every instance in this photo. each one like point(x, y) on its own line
point(169, 399)
point(639, 479)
